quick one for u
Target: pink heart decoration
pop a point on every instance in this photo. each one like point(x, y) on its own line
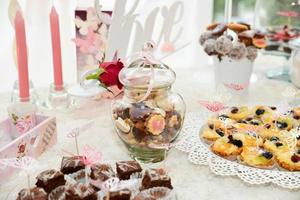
point(236, 87)
point(90, 155)
point(213, 106)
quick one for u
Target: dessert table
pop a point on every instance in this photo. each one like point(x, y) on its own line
point(190, 181)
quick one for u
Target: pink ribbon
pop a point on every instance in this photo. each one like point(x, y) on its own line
point(148, 58)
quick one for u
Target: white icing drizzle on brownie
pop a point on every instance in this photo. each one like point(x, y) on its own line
point(126, 166)
point(48, 174)
point(157, 174)
point(101, 170)
point(80, 190)
point(34, 192)
point(72, 161)
point(58, 193)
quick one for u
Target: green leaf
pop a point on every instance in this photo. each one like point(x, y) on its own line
point(95, 75)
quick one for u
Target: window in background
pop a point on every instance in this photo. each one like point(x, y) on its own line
point(243, 10)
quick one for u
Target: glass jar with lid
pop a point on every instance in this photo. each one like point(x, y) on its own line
point(150, 116)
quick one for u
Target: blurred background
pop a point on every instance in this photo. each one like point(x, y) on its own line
point(265, 14)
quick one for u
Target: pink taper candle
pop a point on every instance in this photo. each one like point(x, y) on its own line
point(56, 50)
point(22, 57)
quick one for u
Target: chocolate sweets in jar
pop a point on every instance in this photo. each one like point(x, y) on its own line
point(150, 116)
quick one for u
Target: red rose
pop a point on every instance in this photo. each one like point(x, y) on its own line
point(110, 76)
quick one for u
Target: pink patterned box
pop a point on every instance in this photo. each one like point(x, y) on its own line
point(33, 143)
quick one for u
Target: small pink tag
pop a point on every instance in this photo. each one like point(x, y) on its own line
point(236, 87)
point(213, 106)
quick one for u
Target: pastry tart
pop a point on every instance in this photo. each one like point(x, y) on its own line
point(268, 131)
point(274, 145)
point(263, 112)
point(289, 160)
point(248, 139)
point(227, 146)
point(239, 113)
point(284, 123)
point(256, 157)
point(210, 134)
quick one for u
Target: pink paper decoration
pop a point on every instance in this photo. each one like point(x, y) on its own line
point(236, 87)
point(91, 22)
point(56, 50)
point(90, 44)
point(24, 125)
point(24, 163)
point(213, 106)
point(90, 155)
point(22, 57)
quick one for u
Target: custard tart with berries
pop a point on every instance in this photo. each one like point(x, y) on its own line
point(289, 160)
point(275, 144)
point(256, 157)
point(227, 146)
point(239, 113)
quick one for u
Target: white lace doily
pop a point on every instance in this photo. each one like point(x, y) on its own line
point(199, 154)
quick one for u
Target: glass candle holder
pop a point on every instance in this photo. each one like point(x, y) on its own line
point(32, 92)
point(58, 98)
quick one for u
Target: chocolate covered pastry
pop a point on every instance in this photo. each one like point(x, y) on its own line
point(50, 179)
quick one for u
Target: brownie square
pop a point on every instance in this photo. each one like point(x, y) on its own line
point(72, 164)
point(102, 172)
point(58, 193)
point(126, 168)
point(50, 179)
point(81, 191)
point(124, 194)
point(34, 194)
point(156, 178)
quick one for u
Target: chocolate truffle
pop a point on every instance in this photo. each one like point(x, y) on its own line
point(156, 178)
point(139, 111)
point(209, 46)
point(34, 194)
point(102, 172)
point(205, 36)
point(50, 179)
point(223, 45)
point(238, 51)
point(80, 191)
point(251, 53)
point(126, 168)
point(70, 165)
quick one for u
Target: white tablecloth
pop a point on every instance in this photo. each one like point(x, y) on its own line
point(190, 181)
